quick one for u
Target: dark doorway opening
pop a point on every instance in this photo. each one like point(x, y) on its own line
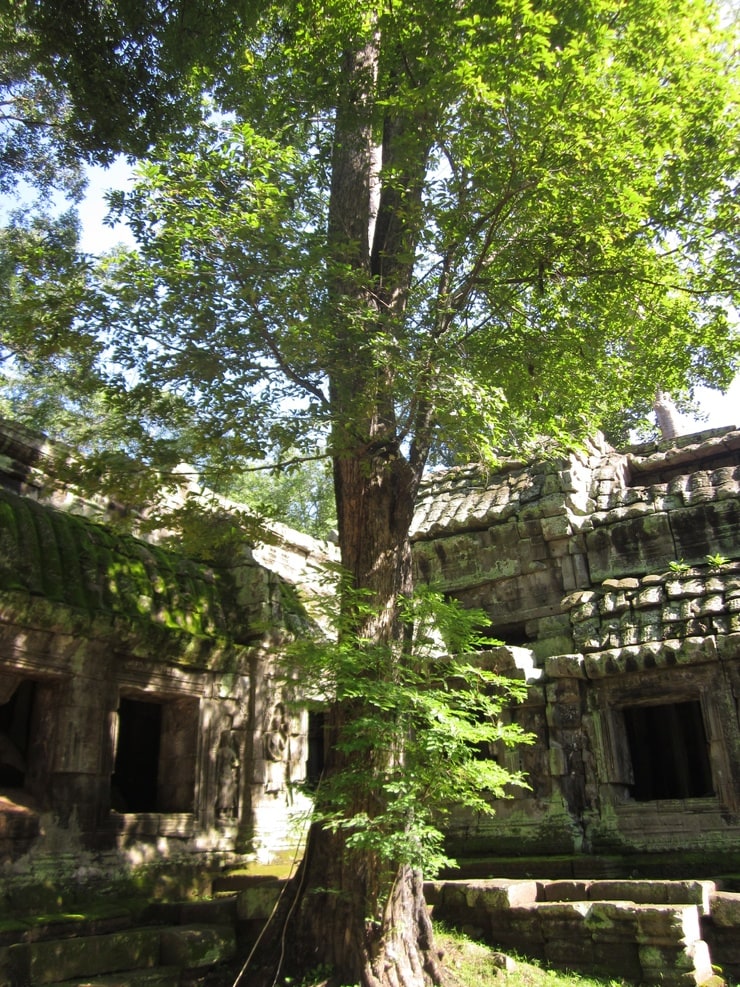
point(316, 749)
point(668, 748)
point(15, 734)
point(136, 771)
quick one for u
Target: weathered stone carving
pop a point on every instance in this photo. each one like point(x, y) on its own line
point(277, 750)
point(228, 765)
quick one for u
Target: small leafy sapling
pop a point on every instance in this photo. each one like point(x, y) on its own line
point(679, 566)
point(717, 560)
point(440, 703)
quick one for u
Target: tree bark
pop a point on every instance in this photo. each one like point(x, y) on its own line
point(349, 910)
point(394, 948)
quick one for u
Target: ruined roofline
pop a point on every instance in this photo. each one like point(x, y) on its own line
point(473, 497)
point(30, 463)
point(27, 457)
point(641, 449)
point(63, 570)
point(651, 462)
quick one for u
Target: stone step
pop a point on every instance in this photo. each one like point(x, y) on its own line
point(52, 960)
point(212, 911)
point(97, 958)
point(239, 881)
point(644, 931)
point(642, 892)
point(161, 976)
point(512, 891)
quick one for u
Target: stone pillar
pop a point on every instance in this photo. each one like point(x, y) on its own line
point(79, 764)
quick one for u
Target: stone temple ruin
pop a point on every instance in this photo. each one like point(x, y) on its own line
point(614, 580)
point(143, 728)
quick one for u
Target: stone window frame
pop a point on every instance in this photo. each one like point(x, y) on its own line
point(613, 756)
point(173, 821)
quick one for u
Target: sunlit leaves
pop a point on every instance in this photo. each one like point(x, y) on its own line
point(426, 732)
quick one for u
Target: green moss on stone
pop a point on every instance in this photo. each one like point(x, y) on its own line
point(160, 603)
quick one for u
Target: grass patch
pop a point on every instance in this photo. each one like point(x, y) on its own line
point(468, 963)
point(473, 964)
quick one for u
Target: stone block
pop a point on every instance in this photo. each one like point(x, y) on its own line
point(725, 909)
point(582, 604)
point(161, 976)
point(628, 633)
point(562, 919)
point(557, 762)
point(545, 507)
point(648, 892)
point(195, 946)
point(554, 625)
point(710, 605)
point(648, 632)
point(724, 944)
point(667, 924)
point(511, 942)
point(565, 666)
point(674, 967)
point(711, 528)
point(65, 959)
point(678, 589)
point(565, 890)
point(521, 922)
point(611, 921)
point(258, 900)
point(629, 547)
point(556, 527)
point(649, 596)
point(571, 953)
point(613, 602)
point(532, 550)
point(494, 895)
point(616, 959)
point(211, 911)
point(588, 635)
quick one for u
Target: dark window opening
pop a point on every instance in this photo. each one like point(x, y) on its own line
point(155, 763)
point(513, 634)
point(668, 747)
point(316, 748)
point(136, 771)
point(15, 735)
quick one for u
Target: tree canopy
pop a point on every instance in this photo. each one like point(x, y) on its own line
point(550, 193)
point(390, 227)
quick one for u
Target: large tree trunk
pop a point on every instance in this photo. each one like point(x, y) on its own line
point(364, 917)
point(392, 948)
